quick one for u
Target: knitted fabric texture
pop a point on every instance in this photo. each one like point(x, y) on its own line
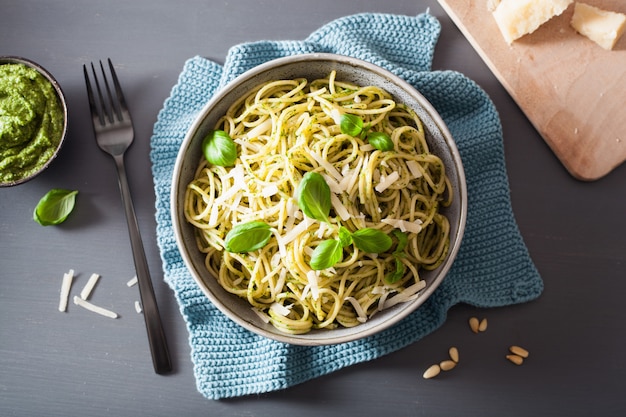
point(493, 267)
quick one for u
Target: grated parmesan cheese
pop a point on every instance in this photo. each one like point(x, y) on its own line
point(66, 285)
point(312, 277)
point(260, 129)
point(361, 316)
point(404, 225)
point(386, 182)
point(138, 308)
point(267, 191)
point(280, 309)
point(86, 292)
point(327, 166)
point(94, 308)
point(408, 294)
point(340, 209)
point(414, 168)
point(132, 282)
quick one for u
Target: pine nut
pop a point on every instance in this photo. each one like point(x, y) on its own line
point(447, 365)
point(432, 372)
point(474, 323)
point(519, 351)
point(483, 325)
point(454, 354)
point(517, 360)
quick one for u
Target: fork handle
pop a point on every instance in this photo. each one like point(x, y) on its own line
point(156, 336)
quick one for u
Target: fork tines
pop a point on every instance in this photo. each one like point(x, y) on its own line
point(111, 107)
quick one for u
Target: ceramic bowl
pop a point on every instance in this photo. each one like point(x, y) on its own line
point(313, 66)
point(61, 98)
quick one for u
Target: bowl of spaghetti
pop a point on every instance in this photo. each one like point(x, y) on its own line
point(318, 199)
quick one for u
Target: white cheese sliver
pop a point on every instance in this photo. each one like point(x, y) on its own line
point(408, 294)
point(387, 181)
point(403, 225)
point(280, 309)
point(413, 166)
point(314, 284)
point(327, 166)
point(86, 292)
point(269, 191)
point(94, 308)
point(66, 285)
point(132, 282)
point(260, 129)
point(340, 209)
point(361, 316)
point(138, 308)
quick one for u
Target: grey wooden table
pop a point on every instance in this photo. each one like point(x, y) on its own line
point(79, 364)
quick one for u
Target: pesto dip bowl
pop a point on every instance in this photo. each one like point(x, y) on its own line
point(33, 119)
point(313, 67)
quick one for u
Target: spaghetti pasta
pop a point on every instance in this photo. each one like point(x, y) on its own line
point(285, 129)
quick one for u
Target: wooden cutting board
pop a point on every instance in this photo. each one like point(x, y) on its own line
point(572, 90)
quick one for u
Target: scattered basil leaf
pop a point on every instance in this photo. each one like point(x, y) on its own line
point(380, 141)
point(396, 275)
point(219, 148)
point(371, 240)
point(326, 254)
point(54, 207)
point(345, 237)
point(247, 237)
point(350, 124)
point(313, 196)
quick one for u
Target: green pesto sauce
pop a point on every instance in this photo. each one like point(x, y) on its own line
point(31, 121)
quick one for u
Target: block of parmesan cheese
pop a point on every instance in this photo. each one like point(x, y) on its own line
point(517, 18)
point(601, 26)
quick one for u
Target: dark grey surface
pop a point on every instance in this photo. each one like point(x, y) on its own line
point(77, 363)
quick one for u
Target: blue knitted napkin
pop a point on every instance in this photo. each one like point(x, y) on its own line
point(493, 267)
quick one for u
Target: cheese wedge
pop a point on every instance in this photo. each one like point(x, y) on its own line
point(601, 26)
point(517, 18)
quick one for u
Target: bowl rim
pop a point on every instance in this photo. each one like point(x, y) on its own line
point(13, 59)
point(306, 339)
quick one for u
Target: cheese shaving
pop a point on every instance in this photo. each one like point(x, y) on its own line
point(66, 285)
point(94, 308)
point(86, 292)
point(386, 182)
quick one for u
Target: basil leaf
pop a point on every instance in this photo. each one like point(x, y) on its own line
point(350, 124)
point(247, 237)
point(54, 207)
point(371, 240)
point(219, 148)
point(380, 141)
point(397, 274)
point(345, 237)
point(313, 196)
point(326, 254)
point(403, 240)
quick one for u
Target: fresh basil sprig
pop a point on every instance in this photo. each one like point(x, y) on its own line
point(326, 254)
point(398, 254)
point(54, 207)
point(247, 237)
point(313, 196)
point(371, 240)
point(330, 251)
point(352, 125)
point(219, 148)
point(380, 141)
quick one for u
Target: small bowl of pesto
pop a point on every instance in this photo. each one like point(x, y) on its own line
point(33, 119)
